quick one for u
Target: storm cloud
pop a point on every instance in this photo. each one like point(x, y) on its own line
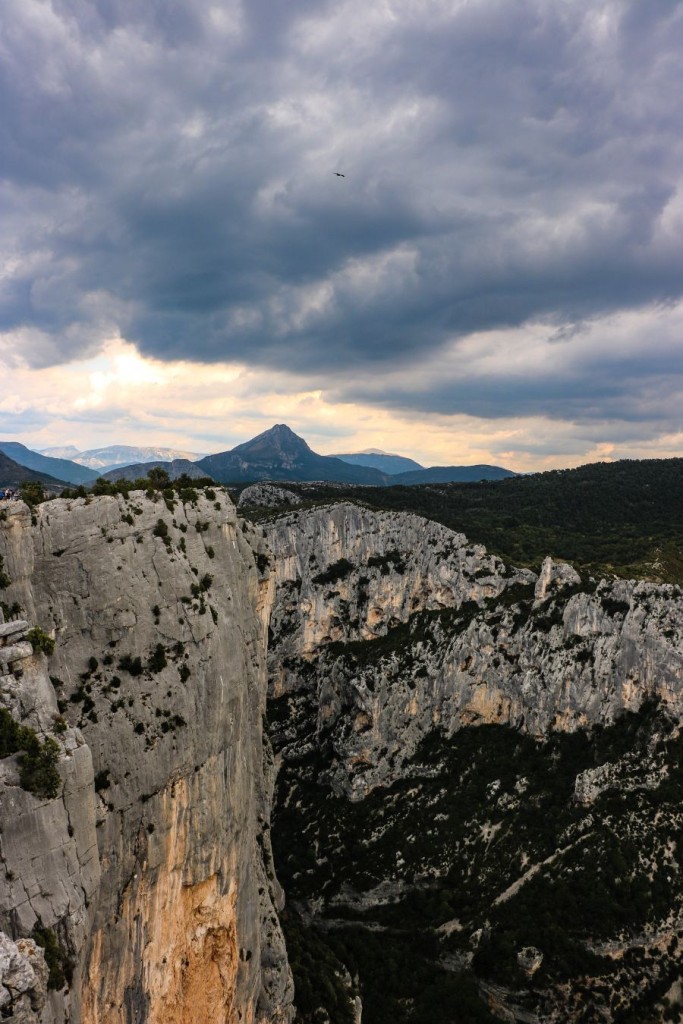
point(512, 170)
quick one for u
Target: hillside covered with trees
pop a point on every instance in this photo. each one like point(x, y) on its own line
point(623, 517)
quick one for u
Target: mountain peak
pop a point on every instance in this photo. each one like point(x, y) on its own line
point(278, 440)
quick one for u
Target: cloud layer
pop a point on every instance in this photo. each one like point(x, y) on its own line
point(506, 242)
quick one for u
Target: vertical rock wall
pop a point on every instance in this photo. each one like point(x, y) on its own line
point(159, 670)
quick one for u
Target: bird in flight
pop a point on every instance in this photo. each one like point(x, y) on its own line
point(339, 174)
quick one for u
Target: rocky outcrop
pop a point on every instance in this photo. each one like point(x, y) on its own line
point(152, 867)
point(148, 875)
point(398, 625)
point(48, 847)
point(346, 573)
point(478, 754)
point(267, 496)
point(23, 980)
point(553, 578)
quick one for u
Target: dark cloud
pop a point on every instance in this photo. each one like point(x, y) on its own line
point(169, 174)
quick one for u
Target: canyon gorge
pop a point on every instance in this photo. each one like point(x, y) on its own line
point(252, 756)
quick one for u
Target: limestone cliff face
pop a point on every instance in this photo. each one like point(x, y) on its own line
point(157, 875)
point(527, 870)
point(453, 638)
point(348, 573)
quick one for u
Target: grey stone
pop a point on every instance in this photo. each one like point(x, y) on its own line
point(23, 980)
point(161, 877)
point(267, 496)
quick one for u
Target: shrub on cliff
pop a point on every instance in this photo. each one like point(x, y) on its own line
point(32, 492)
point(157, 659)
point(334, 572)
point(58, 962)
point(131, 665)
point(38, 761)
point(40, 641)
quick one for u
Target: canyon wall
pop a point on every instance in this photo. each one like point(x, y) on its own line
point(151, 867)
point(397, 625)
point(137, 884)
point(478, 811)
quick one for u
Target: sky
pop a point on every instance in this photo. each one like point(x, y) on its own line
point(498, 277)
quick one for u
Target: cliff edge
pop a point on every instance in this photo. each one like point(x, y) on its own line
point(145, 873)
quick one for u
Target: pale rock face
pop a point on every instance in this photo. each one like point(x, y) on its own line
point(560, 661)
point(530, 960)
point(23, 980)
point(267, 496)
point(553, 578)
point(348, 573)
point(49, 865)
point(153, 865)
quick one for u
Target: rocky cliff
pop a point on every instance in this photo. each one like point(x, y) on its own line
point(479, 772)
point(398, 625)
point(480, 777)
point(146, 876)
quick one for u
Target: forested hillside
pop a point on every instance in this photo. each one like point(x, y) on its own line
point(623, 517)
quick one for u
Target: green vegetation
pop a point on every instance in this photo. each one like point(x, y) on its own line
point(40, 641)
point(466, 820)
point(621, 517)
point(157, 659)
point(154, 484)
point(37, 761)
point(102, 780)
point(60, 964)
point(4, 578)
point(262, 561)
point(334, 572)
point(133, 666)
point(392, 560)
point(161, 530)
point(318, 975)
point(202, 586)
point(32, 492)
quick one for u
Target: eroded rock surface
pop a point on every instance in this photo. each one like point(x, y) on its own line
point(398, 625)
point(267, 496)
point(479, 798)
point(23, 980)
point(152, 866)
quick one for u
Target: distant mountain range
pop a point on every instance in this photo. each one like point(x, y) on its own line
point(118, 455)
point(280, 454)
point(383, 461)
point(14, 475)
point(452, 475)
point(57, 468)
point(276, 454)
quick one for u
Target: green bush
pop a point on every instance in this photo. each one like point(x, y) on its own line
point(157, 659)
point(38, 761)
point(262, 561)
point(58, 961)
point(133, 666)
point(40, 641)
point(333, 573)
point(32, 492)
point(38, 768)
